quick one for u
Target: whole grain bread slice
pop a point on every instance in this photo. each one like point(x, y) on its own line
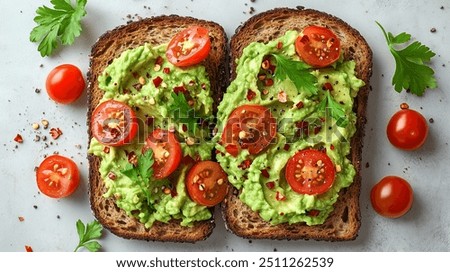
point(155, 30)
point(344, 222)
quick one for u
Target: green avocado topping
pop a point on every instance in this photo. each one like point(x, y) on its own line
point(330, 125)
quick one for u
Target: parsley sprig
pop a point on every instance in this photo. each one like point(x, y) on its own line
point(298, 72)
point(88, 235)
point(61, 24)
point(182, 112)
point(411, 72)
point(336, 111)
point(142, 173)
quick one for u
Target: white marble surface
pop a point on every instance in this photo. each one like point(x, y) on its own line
point(424, 228)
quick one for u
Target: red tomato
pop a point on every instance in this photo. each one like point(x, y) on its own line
point(65, 83)
point(57, 176)
point(407, 129)
point(310, 172)
point(207, 183)
point(114, 123)
point(392, 197)
point(166, 152)
point(318, 46)
point(189, 47)
point(249, 127)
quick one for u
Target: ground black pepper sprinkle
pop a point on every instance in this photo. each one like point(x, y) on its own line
point(433, 30)
point(35, 207)
point(367, 165)
point(431, 120)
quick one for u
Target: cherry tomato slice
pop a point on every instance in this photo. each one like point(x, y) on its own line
point(310, 172)
point(407, 129)
point(57, 176)
point(114, 123)
point(318, 46)
point(189, 47)
point(166, 152)
point(249, 127)
point(65, 83)
point(207, 183)
point(392, 197)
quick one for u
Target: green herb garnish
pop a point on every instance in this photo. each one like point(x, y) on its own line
point(410, 72)
point(142, 173)
point(62, 24)
point(335, 109)
point(182, 112)
point(88, 235)
point(298, 72)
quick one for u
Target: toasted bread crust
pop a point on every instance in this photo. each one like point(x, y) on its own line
point(155, 30)
point(344, 222)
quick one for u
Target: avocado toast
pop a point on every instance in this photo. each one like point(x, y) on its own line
point(291, 118)
point(128, 65)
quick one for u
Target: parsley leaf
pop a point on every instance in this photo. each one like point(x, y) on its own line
point(88, 235)
point(142, 173)
point(182, 112)
point(60, 24)
point(410, 72)
point(298, 72)
point(334, 109)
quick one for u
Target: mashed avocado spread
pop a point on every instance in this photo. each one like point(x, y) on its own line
point(144, 79)
point(290, 106)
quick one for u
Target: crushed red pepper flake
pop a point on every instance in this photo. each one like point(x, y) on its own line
point(21, 218)
point(18, 138)
point(55, 133)
point(28, 248)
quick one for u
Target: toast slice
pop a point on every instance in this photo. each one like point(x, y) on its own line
point(156, 30)
point(344, 222)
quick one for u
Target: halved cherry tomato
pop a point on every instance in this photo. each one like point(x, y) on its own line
point(318, 46)
point(392, 197)
point(407, 129)
point(189, 47)
point(57, 176)
point(207, 183)
point(65, 83)
point(310, 172)
point(114, 123)
point(249, 127)
point(166, 152)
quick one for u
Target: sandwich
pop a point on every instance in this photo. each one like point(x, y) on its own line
point(290, 126)
point(152, 91)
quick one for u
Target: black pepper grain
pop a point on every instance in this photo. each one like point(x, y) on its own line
point(433, 30)
point(35, 207)
point(431, 120)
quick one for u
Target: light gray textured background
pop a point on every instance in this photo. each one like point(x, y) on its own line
point(424, 228)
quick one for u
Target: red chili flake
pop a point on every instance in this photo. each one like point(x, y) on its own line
point(203, 86)
point(327, 86)
point(279, 45)
point(286, 147)
point(18, 138)
point(191, 83)
point(250, 95)
point(317, 129)
point(112, 176)
point(106, 149)
point(270, 185)
point(332, 147)
point(232, 149)
point(179, 89)
point(55, 133)
point(28, 249)
point(21, 218)
point(173, 193)
point(157, 81)
point(313, 213)
point(268, 82)
point(300, 105)
point(184, 127)
point(166, 70)
point(159, 60)
point(265, 173)
point(245, 164)
point(132, 158)
point(279, 196)
point(149, 120)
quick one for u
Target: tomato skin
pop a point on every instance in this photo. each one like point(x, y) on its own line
point(189, 47)
point(104, 117)
point(249, 127)
point(57, 176)
point(407, 129)
point(163, 142)
point(318, 46)
point(207, 183)
point(310, 172)
point(65, 83)
point(392, 197)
